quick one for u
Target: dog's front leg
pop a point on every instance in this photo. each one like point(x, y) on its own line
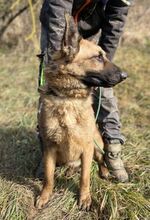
point(49, 168)
point(86, 161)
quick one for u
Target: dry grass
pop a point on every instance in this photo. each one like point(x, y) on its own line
point(138, 26)
point(19, 150)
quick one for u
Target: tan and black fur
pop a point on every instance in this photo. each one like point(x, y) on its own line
point(66, 122)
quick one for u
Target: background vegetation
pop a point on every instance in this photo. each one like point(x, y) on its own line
point(19, 148)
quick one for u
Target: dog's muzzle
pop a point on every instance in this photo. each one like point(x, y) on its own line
point(124, 75)
point(105, 78)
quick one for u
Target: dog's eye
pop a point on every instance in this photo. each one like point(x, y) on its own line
point(100, 58)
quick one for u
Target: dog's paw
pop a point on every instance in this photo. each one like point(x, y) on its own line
point(104, 172)
point(41, 201)
point(85, 202)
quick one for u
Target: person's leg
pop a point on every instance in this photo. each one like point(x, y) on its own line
point(109, 124)
point(39, 172)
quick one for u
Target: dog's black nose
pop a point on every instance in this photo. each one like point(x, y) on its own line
point(124, 75)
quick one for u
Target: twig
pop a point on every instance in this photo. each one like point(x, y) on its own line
point(33, 21)
point(15, 4)
point(10, 20)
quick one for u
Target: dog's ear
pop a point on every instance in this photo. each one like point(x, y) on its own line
point(71, 40)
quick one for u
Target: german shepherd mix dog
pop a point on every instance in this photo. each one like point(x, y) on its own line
point(66, 122)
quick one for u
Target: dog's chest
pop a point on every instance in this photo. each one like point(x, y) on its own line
point(68, 125)
point(69, 120)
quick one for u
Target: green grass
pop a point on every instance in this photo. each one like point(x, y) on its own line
point(20, 153)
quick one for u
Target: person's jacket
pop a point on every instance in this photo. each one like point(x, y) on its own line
point(91, 15)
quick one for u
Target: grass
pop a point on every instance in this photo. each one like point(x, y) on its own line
point(20, 153)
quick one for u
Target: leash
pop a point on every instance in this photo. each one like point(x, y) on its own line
point(99, 103)
point(76, 16)
point(42, 78)
point(96, 117)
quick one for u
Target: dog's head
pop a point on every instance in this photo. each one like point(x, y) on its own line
point(81, 64)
